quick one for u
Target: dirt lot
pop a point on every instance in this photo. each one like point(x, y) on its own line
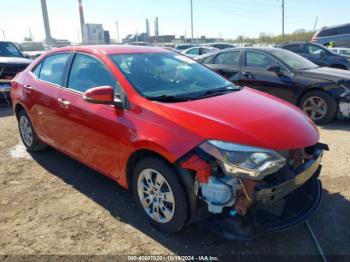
point(51, 204)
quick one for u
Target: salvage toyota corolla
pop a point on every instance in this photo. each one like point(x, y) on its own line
point(192, 146)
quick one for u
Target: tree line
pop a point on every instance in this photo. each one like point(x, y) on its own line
point(298, 35)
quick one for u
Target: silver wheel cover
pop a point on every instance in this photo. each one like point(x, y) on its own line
point(156, 196)
point(26, 131)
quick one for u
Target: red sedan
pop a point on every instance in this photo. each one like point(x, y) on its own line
point(189, 144)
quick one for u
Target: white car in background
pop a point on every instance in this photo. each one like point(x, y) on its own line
point(198, 50)
point(341, 50)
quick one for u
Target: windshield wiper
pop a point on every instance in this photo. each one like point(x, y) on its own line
point(169, 98)
point(218, 91)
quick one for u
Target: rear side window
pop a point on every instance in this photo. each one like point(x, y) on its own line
point(327, 32)
point(259, 60)
point(295, 48)
point(52, 69)
point(343, 30)
point(88, 72)
point(228, 58)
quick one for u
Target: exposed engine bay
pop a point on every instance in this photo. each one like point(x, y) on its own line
point(263, 195)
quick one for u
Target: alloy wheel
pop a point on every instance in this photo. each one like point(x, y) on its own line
point(315, 107)
point(156, 196)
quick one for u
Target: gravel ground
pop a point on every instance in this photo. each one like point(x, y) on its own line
point(52, 205)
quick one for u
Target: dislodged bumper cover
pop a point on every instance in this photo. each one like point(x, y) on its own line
point(268, 194)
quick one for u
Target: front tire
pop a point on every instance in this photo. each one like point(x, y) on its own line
point(160, 194)
point(320, 106)
point(27, 132)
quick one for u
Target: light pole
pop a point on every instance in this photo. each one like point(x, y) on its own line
point(191, 22)
point(117, 28)
point(283, 39)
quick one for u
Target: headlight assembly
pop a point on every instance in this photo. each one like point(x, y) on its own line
point(244, 161)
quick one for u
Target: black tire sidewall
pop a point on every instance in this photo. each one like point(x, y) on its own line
point(332, 106)
point(181, 204)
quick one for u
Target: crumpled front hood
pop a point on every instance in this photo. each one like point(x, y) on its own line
point(14, 60)
point(327, 73)
point(247, 117)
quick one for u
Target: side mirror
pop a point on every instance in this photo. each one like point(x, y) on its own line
point(102, 95)
point(275, 68)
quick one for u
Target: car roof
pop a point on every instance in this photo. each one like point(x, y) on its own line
point(111, 49)
point(334, 26)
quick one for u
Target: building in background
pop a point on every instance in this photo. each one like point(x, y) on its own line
point(94, 34)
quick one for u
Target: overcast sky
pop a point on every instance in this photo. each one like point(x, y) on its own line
point(213, 18)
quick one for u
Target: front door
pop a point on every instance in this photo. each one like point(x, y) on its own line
point(255, 74)
point(90, 132)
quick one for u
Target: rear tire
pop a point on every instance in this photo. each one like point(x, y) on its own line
point(29, 138)
point(160, 194)
point(320, 106)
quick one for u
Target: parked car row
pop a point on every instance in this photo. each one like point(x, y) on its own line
point(191, 145)
point(321, 92)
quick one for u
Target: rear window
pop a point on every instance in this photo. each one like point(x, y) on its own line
point(327, 32)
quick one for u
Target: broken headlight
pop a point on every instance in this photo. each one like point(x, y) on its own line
point(244, 161)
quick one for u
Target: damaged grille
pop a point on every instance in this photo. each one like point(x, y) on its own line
point(9, 71)
point(299, 161)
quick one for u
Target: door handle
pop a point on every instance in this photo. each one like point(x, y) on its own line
point(64, 103)
point(27, 89)
point(247, 74)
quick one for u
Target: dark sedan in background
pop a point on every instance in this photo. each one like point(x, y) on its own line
point(319, 55)
point(321, 92)
point(12, 61)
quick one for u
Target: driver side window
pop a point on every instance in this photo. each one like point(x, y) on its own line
point(88, 72)
point(259, 60)
point(314, 50)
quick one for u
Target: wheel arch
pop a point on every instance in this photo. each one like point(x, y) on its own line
point(311, 89)
point(18, 108)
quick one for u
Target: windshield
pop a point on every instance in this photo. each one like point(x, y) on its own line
point(293, 60)
point(9, 50)
point(32, 46)
point(170, 74)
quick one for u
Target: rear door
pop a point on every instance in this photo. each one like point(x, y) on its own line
point(41, 89)
point(254, 74)
point(227, 64)
point(90, 132)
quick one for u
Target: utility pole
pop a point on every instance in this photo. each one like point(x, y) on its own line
point(3, 33)
point(191, 21)
point(315, 24)
point(117, 28)
point(283, 39)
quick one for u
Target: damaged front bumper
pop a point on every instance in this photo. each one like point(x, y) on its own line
point(344, 105)
point(275, 205)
